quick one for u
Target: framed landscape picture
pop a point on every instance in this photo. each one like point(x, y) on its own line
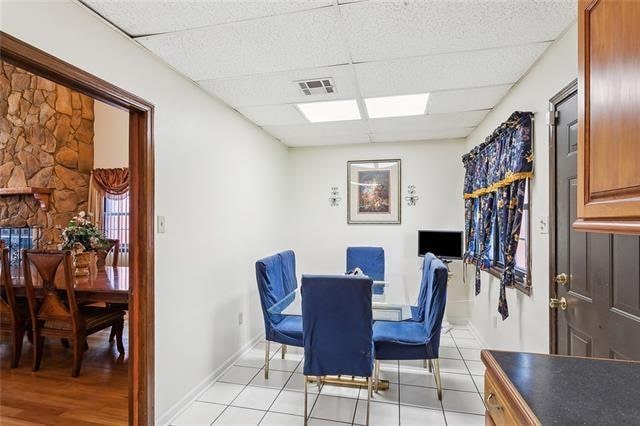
point(373, 191)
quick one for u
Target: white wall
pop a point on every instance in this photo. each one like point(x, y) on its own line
point(527, 327)
point(321, 233)
point(110, 137)
point(221, 183)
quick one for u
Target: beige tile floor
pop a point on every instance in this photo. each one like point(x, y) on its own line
point(243, 397)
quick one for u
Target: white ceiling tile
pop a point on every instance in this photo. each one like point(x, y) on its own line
point(323, 141)
point(378, 30)
point(466, 99)
point(425, 123)
point(285, 42)
point(160, 16)
point(273, 115)
point(328, 131)
point(279, 88)
point(447, 71)
point(410, 135)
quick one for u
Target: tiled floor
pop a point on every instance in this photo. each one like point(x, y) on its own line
point(243, 397)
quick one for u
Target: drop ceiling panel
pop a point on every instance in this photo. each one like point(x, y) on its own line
point(378, 30)
point(279, 88)
point(466, 99)
point(413, 135)
point(447, 71)
point(160, 16)
point(323, 141)
point(285, 42)
point(427, 122)
point(338, 129)
point(273, 115)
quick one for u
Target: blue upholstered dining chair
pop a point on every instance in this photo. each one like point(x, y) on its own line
point(286, 330)
point(337, 318)
point(370, 260)
point(417, 311)
point(289, 279)
point(416, 340)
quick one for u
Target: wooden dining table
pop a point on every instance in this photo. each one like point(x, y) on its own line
point(110, 285)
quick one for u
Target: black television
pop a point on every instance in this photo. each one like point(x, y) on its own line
point(443, 244)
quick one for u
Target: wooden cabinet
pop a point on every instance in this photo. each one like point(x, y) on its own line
point(608, 116)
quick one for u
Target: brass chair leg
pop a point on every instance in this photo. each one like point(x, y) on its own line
point(377, 375)
point(424, 363)
point(436, 367)
point(369, 380)
point(305, 400)
point(283, 350)
point(319, 379)
point(266, 360)
point(430, 365)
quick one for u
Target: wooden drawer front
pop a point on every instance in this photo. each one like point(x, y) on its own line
point(497, 403)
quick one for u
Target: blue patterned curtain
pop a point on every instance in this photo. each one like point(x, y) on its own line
point(495, 180)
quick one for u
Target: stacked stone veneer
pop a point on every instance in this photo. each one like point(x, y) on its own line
point(46, 140)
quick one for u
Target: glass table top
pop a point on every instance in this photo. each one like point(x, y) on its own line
point(291, 305)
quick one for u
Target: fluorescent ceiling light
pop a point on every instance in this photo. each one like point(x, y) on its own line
point(397, 106)
point(320, 112)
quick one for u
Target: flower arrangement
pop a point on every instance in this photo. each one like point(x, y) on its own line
point(82, 235)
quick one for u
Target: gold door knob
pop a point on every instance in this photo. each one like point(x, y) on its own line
point(562, 279)
point(558, 303)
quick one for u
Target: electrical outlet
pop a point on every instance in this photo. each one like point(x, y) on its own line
point(240, 318)
point(161, 225)
point(543, 225)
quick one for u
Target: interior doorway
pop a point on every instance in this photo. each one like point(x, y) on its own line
point(596, 275)
point(141, 204)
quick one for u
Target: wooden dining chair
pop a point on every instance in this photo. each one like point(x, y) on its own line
point(114, 244)
point(13, 315)
point(56, 313)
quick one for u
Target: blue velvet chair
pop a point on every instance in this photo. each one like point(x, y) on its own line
point(337, 318)
point(416, 340)
point(290, 281)
point(370, 260)
point(417, 311)
point(286, 330)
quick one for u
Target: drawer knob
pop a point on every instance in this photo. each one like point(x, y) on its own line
point(492, 404)
point(562, 279)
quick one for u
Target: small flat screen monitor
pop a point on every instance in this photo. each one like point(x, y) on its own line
point(443, 244)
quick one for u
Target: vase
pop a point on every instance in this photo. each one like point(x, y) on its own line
point(83, 262)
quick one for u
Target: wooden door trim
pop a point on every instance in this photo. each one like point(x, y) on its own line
point(141, 164)
point(558, 98)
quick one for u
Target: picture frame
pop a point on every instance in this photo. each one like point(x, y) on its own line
point(373, 192)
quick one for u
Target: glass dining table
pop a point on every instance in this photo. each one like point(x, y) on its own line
point(291, 305)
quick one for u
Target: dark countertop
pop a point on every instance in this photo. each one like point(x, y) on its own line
point(564, 390)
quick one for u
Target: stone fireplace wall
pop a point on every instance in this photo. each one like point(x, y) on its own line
point(46, 140)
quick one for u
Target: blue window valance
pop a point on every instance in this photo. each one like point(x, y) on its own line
point(496, 173)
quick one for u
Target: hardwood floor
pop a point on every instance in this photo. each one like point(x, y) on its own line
point(51, 396)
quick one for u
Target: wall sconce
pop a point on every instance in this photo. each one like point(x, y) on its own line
point(334, 198)
point(412, 197)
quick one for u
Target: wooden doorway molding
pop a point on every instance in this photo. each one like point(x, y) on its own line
point(558, 98)
point(141, 164)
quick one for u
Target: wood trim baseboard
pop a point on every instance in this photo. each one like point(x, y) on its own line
point(141, 164)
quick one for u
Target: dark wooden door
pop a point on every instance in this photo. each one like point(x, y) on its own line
point(602, 318)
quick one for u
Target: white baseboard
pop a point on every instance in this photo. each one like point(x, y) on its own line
point(199, 389)
point(477, 335)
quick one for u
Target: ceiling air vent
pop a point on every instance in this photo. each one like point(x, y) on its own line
point(320, 86)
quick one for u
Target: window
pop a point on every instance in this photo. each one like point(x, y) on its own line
point(522, 252)
point(116, 224)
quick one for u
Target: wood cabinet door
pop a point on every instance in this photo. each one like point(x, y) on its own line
point(609, 116)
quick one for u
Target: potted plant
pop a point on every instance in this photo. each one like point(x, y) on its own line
point(83, 238)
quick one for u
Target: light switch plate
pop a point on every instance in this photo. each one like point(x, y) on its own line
point(161, 224)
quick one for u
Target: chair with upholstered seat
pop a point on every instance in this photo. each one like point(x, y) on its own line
point(286, 330)
point(337, 318)
point(14, 315)
point(56, 313)
point(370, 260)
point(416, 340)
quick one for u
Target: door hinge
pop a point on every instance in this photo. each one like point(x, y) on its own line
point(552, 117)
